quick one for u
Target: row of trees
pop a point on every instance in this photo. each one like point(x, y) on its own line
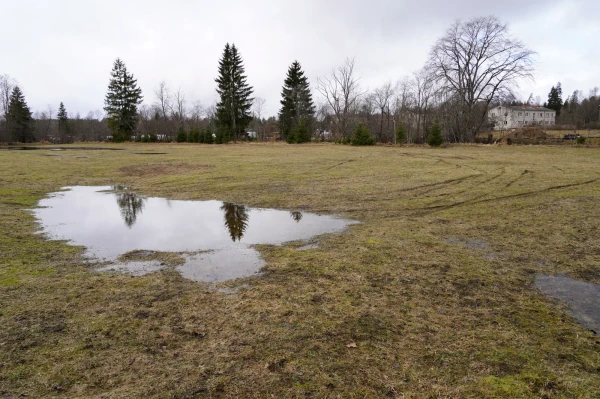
point(474, 65)
point(577, 110)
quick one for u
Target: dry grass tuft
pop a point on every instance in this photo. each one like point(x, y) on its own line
point(162, 169)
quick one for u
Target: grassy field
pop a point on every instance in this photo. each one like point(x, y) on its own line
point(434, 287)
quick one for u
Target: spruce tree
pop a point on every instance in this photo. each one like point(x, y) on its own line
point(64, 125)
point(296, 103)
point(181, 135)
point(121, 102)
point(400, 134)
point(435, 138)
point(362, 136)
point(18, 118)
point(300, 133)
point(555, 101)
point(208, 135)
point(233, 108)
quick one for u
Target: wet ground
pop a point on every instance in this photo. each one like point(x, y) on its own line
point(583, 299)
point(25, 148)
point(214, 238)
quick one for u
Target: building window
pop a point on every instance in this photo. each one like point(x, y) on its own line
point(493, 114)
point(547, 114)
point(520, 122)
point(505, 122)
point(526, 113)
point(520, 113)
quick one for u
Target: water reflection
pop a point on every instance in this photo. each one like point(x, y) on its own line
point(297, 216)
point(131, 205)
point(236, 220)
point(222, 235)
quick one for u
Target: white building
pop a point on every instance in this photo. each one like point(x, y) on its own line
point(514, 116)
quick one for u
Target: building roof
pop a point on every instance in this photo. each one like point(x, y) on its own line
point(529, 108)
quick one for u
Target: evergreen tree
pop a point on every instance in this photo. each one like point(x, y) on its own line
point(555, 101)
point(233, 108)
point(400, 134)
point(18, 118)
point(64, 125)
point(181, 135)
point(208, 135)
point(435, 138)
point(296, 103)
point(362, 136)
point(300, 133)
point(121, 102)
point(194, 136)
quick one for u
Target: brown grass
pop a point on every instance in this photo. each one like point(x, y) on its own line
point(434, 286)
point(157, 169)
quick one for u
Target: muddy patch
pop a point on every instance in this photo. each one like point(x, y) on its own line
point(308, 247)
point(162, 169)
point(583, 299)
point(475, 244)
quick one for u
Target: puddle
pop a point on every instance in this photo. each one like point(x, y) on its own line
point(582, 298)
point(216, 237)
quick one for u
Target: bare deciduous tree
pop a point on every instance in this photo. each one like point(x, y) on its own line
point(382, 96)
point(163, 99)
point(423, 89)
point(341, 91)
point(477, 61)
point(257, 111)
point(7, 84)
point(179, 105)
point(197, 112)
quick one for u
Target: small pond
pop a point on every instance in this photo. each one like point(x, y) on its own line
point(215, 238)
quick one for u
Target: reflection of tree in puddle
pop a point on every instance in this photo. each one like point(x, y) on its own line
point(297, 216)
point(236, 220)
point(130, 203)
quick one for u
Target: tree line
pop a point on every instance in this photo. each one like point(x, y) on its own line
point(474, 65)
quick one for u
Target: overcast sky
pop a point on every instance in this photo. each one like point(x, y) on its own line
point(63, 50)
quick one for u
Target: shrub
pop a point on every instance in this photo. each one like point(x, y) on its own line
point(194, 136)
point(580, 140)
point(181, 136)
point(435, 138)
point(300, 134)
point(208, 136)
point(400, 134)
point(362, 136)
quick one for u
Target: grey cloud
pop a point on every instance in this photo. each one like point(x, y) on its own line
point(63, 50)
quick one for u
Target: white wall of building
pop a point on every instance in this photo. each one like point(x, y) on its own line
point(512, 117)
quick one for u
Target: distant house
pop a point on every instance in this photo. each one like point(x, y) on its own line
point(514, 116)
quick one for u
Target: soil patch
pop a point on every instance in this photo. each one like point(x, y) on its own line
point(162, 169)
